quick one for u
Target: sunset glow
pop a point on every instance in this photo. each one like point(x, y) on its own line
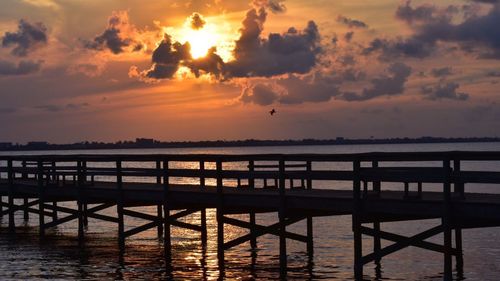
point(389, 69)
point(216, 32)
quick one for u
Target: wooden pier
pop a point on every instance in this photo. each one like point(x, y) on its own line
point(374, 188)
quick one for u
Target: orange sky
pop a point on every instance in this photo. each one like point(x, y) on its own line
point(117, 70)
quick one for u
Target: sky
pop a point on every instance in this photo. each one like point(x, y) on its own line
point(91, 70)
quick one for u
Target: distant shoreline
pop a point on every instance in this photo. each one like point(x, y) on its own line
point(152, 144)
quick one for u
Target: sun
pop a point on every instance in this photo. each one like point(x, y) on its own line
point(201, 41)
point(215, 32)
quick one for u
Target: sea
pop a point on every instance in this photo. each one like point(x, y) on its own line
point(59, 256)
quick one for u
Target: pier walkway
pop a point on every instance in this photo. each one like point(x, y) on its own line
point(372, 187)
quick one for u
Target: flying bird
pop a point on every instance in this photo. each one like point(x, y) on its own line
point(272, 112)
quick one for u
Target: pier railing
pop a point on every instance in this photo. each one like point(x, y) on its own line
point(440, 176)
point(261, 171)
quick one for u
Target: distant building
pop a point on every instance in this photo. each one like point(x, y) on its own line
point(5, 145)
point(37, 144)
point(144, 142)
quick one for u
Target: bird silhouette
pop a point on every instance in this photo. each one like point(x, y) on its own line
point(272, 112)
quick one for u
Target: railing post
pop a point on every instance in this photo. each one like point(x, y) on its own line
point(26, 215)
point(41, 199)
point(376, 224)
point(356, 221)
point(282, 218)
point(79, 168)
point(460, 190)
point(159, 207)
point(10, 180)
point(119, 205)
point(251, 185)
point(220, 216)
point(203, 211)
point(167, 242)
point(84, 182)
point(309, 221)
point(446, 221)
point(24, 174)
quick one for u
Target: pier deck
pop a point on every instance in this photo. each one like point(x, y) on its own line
point(373, 188)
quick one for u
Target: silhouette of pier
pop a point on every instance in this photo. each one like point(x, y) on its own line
point(374, 188)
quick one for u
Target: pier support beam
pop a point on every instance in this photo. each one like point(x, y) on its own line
point(282, 223)
point(41, 201)
point(446, 221)
point(460, 254)
point(119, 206)
point(26, 215)
point(356, 223)
point(10, 175)
point(220, 218)
point(167, 243)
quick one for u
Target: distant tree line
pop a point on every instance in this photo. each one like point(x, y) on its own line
point(151, 143)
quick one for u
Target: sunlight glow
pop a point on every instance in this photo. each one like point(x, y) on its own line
point(216, 32)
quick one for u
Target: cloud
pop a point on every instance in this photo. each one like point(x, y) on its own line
point(493, 73)
point(166, 59)
point(24, 67)
point(348, 36)
point(275, 6)
point(260, 94)
point(476, 32)
point(59, 108)
point(293, 51)
point(118, 36)
point(311, 88)
point(399, 47)
point(351, 23)
point(197, 21)
point(386, 85)
point(410, 15)
point(8, 110)
point(444, 90)
point(290, 52)
point(292, 89)
point(346, 60)
point(211, 63)
point(28, 38)
point(486, 1)
point(441, 72)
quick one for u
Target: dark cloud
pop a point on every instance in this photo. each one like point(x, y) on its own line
point(28, 38)
point(409, 14)
point(394, 48)
point(486, 1)
point(444, 90)
point(441, 72)
point(8, 110)
point(348, 36)
point(260, 94)
point(22, 68)
point(197, 21)
point(351, 23)
point(211, 63)
point(475, 32)
point(350, 75)
point(312, 88)
point(346, 60)
point(291, 52)
point(167, 58)
point(493, 73)
point(60, 108)
point(275, 6)
point(116, 37)
point(387, 85)
point(335, 39)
